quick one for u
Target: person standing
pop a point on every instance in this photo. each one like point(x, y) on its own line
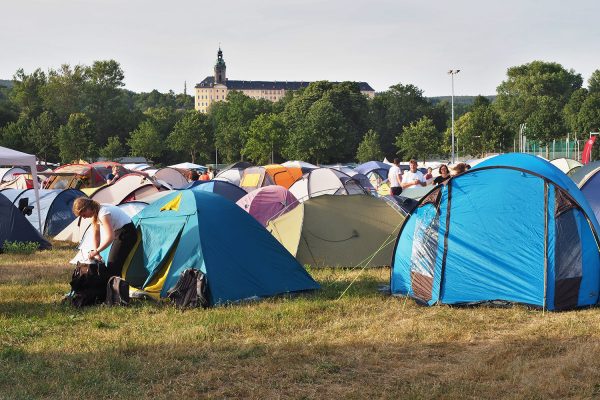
point(412, 177)
point(110, 226)
point(395, 178)
point(444, 175)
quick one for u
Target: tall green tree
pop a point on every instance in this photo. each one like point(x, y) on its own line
point(481, 131)
point(420, 139)
point(42, 134)
point(264, 139)
point(76, 138)
point(26, 93)
point(594, 82)
point(14, 135)
point(146, 141)
point(535, 94)
point(113, 149)
point(369, 149)
point(397, 108)
point(230, 121)
point(191, 135)
point(65, 92)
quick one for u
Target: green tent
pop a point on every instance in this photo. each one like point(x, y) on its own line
point(340, 231)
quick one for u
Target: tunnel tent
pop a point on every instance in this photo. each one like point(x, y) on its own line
point(514, 229)
point(195, 229)
point(128, 187)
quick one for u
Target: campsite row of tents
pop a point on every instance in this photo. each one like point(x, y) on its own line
point(513, 228)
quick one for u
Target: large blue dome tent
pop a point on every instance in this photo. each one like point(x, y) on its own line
point(514, 229)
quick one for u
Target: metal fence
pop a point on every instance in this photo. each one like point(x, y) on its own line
point(567, 148)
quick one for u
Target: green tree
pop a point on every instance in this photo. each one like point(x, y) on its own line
point(64, 93)
point(397, 108)
point(589, 114)
point(320, 137)
point(42, 134)
point(369, 149)
point(306, 117)
point(26, 93)
point(192, 136)
point(536, 94)
point(230, 121)
point(146, 141)
point(420, 139)
point(113, 149)
point(14, 135)
point(572, 109)
point(481, 131)
point(594, 82)
point(264, 139)
point(75, 139)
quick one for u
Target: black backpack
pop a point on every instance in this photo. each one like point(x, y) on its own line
point(117, 292)
point(88, 284)
point(191, 290)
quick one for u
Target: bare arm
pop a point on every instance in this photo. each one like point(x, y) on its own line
point(107, 236)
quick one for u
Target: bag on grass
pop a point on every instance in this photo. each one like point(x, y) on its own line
point(88, 284)
point(117, 292)
point(191, 290)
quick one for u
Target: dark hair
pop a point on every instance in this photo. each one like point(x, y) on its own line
point(194, 176)
point(396, 161)
point(443, 166)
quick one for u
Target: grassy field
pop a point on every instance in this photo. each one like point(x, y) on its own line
point(313, 346)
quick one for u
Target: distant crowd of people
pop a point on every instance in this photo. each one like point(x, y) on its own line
point(400, 180)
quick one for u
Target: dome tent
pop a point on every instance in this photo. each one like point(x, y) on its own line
point(196, 229)
point(267, 203)
point(223, 188)
point(55, 207)
point(587, 179)
point(514, 229)
point(322, 181)
point(16, 228)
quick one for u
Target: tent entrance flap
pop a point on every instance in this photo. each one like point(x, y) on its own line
point(159, 239)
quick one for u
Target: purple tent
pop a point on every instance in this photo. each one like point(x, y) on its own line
point(268, 202)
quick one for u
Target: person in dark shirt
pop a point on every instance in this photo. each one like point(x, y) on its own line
point(444, 175)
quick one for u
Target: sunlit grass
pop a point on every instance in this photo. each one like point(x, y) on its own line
point(365, 344)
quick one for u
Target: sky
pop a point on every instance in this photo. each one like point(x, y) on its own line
point(162, 44)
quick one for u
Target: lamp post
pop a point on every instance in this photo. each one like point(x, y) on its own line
point(453, 72)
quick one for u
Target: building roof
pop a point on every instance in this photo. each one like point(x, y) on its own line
point(209, 82)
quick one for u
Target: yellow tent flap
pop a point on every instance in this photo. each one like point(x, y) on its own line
point(172, 205)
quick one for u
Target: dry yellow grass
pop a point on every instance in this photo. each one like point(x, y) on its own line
point(366, 345)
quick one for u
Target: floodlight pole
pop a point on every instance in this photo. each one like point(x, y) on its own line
point(453, 72)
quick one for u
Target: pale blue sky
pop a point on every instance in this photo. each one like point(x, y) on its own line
point(161, 44)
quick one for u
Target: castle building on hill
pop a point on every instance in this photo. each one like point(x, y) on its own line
point(215, 88)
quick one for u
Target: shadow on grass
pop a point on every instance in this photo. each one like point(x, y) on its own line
point(529, 368)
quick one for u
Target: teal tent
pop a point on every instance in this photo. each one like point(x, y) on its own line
point(205, 231)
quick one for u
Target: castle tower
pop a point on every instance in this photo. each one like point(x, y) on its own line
point(220, 76)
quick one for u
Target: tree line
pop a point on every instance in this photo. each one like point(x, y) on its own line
point(83, 112)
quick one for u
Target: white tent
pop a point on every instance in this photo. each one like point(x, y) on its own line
point(188, 165)
point(17, 158)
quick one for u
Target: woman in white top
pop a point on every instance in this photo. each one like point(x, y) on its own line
point(117, 230)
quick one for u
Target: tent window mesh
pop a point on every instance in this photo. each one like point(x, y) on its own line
point(562, 202)
point(568, 261)
point(424, 253)
point(432, 198)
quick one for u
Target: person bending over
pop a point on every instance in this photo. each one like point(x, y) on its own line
point(116, 228)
